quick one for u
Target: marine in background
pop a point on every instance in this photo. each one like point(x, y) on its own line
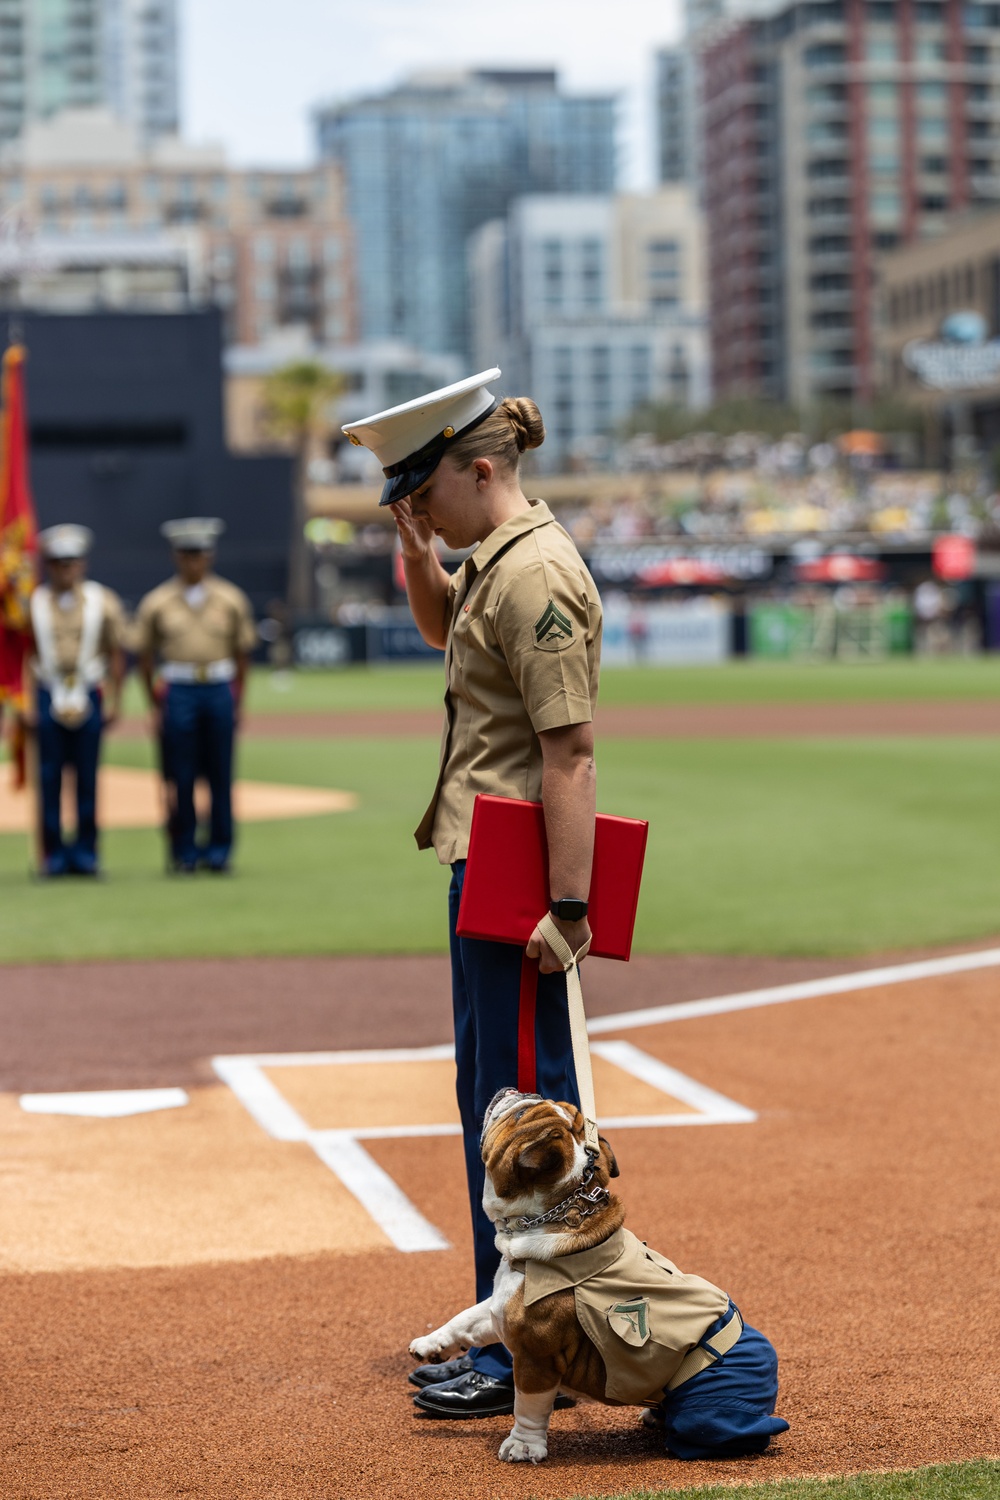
point(78, 667)
point(193, 636)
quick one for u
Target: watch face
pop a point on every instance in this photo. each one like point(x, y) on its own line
point(570, 909)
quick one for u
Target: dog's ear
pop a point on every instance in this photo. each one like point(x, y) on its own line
point(612, 1163)
point(543, 1155)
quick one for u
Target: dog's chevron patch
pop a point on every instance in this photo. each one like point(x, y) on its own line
point(552, 626)
point(630, 1320)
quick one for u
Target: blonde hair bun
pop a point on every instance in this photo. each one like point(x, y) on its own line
point(526, 420)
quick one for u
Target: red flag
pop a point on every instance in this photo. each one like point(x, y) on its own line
point(18, 531)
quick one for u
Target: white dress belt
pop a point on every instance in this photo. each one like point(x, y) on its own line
point(197, 671)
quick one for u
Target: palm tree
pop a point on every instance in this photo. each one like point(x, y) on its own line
point(297, 400)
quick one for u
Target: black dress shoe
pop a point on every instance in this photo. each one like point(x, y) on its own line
point(473, 1395)
point(470, 1395)
point(435, 1374)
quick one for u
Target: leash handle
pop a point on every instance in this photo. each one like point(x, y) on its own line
point(577, 1023)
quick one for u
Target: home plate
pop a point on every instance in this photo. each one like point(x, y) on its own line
point(108, 1104)
point(131, 798)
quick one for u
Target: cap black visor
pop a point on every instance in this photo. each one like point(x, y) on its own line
point(401, 485)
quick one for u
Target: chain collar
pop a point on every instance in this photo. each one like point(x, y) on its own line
point(583, 1202)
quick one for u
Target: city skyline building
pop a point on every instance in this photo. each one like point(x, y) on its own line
point(271, 248)
point(121, 55)
point(832, 132)
point(428, 162)
point(596, 306)
point(676, 114)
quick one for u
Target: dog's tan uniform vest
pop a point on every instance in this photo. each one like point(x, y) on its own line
point(643, 1314)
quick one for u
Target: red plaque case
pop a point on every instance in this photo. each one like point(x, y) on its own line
point(507, 876)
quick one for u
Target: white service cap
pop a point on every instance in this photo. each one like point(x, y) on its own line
point(410, 441)
point(63, 543)
point(193, 533)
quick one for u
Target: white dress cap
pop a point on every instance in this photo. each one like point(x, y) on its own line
point(62, 543)
point(193, 533)
point(410, 441)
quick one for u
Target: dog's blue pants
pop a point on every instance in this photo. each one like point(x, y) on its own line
point(726, 1410)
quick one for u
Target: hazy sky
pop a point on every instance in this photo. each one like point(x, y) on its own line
point(252, 69)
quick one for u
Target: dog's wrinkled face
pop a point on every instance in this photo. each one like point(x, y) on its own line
point(533, 1150)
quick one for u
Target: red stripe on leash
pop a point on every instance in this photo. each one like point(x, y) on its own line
point(526, 1071)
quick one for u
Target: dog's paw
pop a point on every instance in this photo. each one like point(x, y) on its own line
point(428, 1350)
point(516, 1451)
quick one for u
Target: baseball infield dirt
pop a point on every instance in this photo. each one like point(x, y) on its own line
point(854, 1220)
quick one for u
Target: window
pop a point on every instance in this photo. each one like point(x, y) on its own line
point(826, 132)
point(885, 205)
point(932, 91)
point(830, 244)
point(826, 93)
point(263, 250)
point(333, 250)
point(299, 255)
point(824, 55)
point(884, 163)
point(882, 96)
point(827, 167)
point(927, 51)
point(881, 50)
point(264, 288)
point(934, 165)
point(883, 128)
point(932, 128)
point(663, 260)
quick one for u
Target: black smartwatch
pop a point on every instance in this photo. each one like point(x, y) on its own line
point(569, 909)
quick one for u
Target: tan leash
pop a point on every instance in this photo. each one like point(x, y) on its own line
point(577, 1023)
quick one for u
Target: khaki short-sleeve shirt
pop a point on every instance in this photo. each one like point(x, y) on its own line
point(643, 1314)
point(67, 627)
point(218, 628)
point(523, 656)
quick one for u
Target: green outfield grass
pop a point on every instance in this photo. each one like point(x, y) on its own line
point(972, 1481)
point(765, 846)
point(421, 686)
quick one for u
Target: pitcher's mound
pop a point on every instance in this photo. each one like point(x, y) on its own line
point(129, 798)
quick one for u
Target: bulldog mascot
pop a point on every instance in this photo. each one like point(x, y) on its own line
point(588, 1311)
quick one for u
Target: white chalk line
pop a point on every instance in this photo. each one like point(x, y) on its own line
point(341, 1150)
point(808, 989)
point(402, 1223)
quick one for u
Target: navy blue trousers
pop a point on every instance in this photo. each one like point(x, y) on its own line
point(727, 1410)
point(485, 987)
point(80, 748)
point(198, 731)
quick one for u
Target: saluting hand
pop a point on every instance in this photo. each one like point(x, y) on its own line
point(416, 534)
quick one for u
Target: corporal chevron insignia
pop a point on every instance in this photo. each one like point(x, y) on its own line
point(552, 627)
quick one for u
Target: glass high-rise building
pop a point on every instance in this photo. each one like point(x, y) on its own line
point(77, 54)
point(430, 161)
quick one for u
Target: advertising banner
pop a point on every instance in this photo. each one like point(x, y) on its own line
point(696, 631)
